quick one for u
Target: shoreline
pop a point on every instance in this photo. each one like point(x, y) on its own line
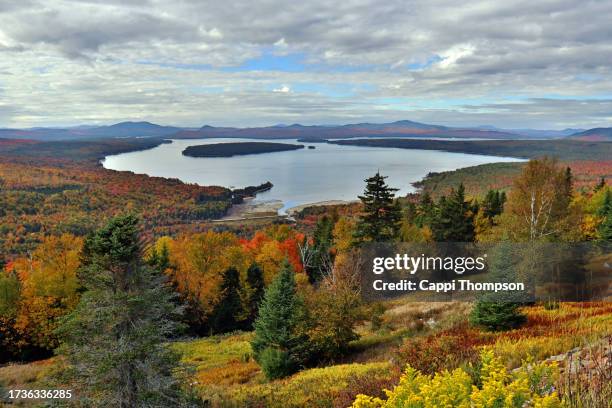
point(251, 210)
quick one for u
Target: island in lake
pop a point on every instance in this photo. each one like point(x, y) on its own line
point(237, 149)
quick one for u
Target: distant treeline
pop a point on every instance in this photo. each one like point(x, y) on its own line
point(237, 149)
point(562, 149)
point(239, 194)
point(312, 139)
point(86, 150)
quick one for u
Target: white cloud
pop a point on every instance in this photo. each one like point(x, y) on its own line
point(282, 89)
point(456, 52)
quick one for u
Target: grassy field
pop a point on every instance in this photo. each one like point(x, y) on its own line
point(432, 336)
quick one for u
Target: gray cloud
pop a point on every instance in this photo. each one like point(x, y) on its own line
point(428, 60)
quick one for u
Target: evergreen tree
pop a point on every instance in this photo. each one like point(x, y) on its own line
point(278, 344)
point(322, 244)
point(426, 210)
point(254, 293)
point(493, 203)
point(163, 260)
point(497, 316)
point(500, 310)
point(605, 211)
point(600, 185)
point(568, 185)
point(382, 215)
point(115, 339)
point(454, 221)
point(226, 314)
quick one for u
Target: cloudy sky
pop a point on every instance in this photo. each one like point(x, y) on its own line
point(515, 64)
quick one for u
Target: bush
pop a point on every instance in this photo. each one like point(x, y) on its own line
point(447, 350)
point(531, 386)
point(497, 316)
point(276, 363)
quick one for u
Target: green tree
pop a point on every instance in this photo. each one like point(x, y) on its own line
point(115, 339)
point(321, 257)
point(160, 259)
point(253, 293)
point(601, 184)
point(227, 312)
point(278, 343)
point(454, 221)
point(382, 215)
point(493, 203)
point(425, 211)
point(9, 293)
point(500, 310)
point(605, 211)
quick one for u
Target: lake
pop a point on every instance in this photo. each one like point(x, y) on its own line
point(328, 172)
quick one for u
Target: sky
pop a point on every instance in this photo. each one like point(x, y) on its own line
point(543, 64)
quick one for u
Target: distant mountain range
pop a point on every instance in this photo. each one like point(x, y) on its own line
point(402, 128)
point(123, 129)
point(594, 135)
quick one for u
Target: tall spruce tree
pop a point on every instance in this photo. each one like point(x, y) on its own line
point(254, 293)
point(500, 310)
point(278, 344)
point(382, 215)
point(227, 312)
point(454, 220)
point(115, 339)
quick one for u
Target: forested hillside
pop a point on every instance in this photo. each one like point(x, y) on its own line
point(40, 197)
point(273, 315)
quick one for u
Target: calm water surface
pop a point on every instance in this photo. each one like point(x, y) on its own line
point(329, 172)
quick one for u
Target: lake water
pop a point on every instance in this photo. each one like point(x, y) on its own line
point(329, 172)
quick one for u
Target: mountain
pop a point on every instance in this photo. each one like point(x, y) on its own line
point(398, 129)
point(123, 129)
point(536, 133)
point(132, 129)
point(594, 135)
point(402, 128)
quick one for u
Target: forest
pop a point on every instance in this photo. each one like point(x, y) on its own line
point(116, 287)
point(237, 149)
point(563, 149)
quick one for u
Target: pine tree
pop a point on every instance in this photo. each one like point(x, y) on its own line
point(382, 215)
point(500, 310)
point(255, 289)
point(226, 314)
point(426, 211)
point(278, 344)
point(322, 244)
point(605, 211)
point(115, 339)
point(493, 203)
point(454, 221)
point(600, 185)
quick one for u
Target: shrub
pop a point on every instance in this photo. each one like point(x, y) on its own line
point(497, 316)
point(446, 350)
point(531, 386)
